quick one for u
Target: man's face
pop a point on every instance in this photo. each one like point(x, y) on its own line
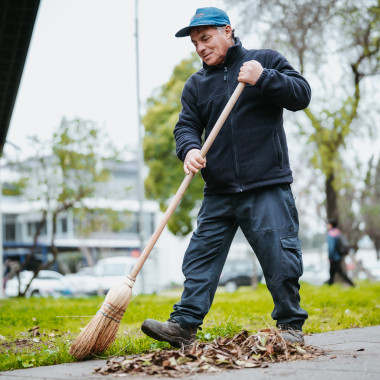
point(210, 44)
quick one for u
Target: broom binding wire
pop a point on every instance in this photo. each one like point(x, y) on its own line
point(111, 311)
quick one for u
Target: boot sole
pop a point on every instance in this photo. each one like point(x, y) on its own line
point(176, 342)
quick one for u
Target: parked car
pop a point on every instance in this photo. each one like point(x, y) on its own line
point(239, 273)
point(82, 283)
point(47, 283)
point(108, 272)
point(111, 271)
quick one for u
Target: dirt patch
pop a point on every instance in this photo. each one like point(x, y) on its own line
point(241, 351)
point(31, 339)
point(19, 345)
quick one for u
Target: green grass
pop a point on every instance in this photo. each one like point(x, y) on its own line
point(60, 320)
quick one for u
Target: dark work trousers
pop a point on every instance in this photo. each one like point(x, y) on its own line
point(269, 220)
point(336, 267)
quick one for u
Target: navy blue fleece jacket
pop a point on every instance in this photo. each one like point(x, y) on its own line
point(251, 150)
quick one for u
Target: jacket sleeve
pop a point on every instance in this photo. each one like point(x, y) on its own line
point(283, 85)
point(189, 128)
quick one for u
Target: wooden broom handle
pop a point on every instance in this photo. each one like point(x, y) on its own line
point(185, 183)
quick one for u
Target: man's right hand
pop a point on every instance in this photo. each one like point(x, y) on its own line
point(194, 161)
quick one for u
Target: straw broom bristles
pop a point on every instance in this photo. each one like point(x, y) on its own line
point(102, 329)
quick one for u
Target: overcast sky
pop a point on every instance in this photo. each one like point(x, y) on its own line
point(81, 63)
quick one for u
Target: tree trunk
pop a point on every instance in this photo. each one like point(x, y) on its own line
point(331, 198)
point(377, 248)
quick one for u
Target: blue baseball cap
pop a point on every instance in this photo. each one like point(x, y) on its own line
point(205, 16)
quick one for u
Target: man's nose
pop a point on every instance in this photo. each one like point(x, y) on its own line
point(200, 47)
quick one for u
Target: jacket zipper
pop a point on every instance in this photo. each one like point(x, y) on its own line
point(236, 165)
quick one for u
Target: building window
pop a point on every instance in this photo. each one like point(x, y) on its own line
point(33, 226)
point(64, 225)
point(10, 232)
point(9, 229)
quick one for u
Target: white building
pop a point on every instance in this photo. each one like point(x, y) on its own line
point(21, 217)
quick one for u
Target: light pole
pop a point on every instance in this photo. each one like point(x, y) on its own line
point(140, 157)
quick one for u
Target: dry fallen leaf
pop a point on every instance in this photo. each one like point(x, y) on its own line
point(35, 330)
point(301, 351)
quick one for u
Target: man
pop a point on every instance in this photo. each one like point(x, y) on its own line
point(247, 175)
point(333, 240)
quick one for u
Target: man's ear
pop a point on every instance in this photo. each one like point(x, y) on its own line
point(228, 31)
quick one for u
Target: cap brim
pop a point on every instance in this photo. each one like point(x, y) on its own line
point(184, 32)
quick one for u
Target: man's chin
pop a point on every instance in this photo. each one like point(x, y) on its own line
point(210, 62)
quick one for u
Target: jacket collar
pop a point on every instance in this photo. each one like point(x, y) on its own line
point(234, 52)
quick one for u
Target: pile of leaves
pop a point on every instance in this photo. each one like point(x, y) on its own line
point(241, 351)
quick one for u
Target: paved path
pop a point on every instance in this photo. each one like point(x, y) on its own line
point(352, 354)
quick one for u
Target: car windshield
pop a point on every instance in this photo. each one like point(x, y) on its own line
point(49, 276)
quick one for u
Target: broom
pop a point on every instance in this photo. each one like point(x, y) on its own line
point(101, 330)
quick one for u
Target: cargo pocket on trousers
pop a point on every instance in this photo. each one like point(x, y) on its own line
point(291, 258)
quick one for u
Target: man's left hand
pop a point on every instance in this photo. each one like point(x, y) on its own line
point(250, 72)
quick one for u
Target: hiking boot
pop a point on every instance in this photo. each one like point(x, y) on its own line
point(169, 331)
point(291, 334)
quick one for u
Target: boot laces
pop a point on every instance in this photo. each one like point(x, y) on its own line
point(171, 319)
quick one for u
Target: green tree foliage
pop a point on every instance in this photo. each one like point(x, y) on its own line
point(323, 36)
point(165, 169)
point(100, 219)
point(14, 188)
